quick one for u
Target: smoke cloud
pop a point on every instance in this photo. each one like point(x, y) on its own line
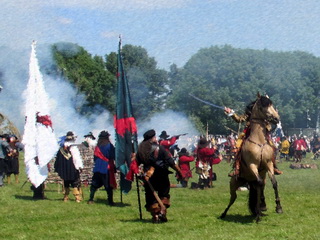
point(64, 100)
point(174, 123)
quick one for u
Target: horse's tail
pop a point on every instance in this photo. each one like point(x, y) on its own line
point(253, 198)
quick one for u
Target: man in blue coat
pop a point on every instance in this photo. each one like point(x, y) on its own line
point(104, 168)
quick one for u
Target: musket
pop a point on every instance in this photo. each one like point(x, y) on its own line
point(179, 135)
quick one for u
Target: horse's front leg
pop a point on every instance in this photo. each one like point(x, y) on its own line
point(254, 170)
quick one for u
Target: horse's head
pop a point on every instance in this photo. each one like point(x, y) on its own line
point(263, 109)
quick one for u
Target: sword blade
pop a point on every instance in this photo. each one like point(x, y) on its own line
point(206, 102)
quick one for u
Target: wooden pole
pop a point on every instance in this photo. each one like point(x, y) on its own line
point(138, 193)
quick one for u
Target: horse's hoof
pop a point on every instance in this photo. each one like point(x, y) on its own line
point(223, 215)
point(279, 210)
point(258, 219)
point(263, 208)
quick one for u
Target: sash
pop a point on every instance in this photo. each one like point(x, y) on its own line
point(111, 167)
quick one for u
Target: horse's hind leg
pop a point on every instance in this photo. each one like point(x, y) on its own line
point(255, 194)
point(276, 193)
point(275, 188)
point(263, 205)
point(234, 185)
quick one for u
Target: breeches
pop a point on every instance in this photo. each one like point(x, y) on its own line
point(99, 180)
point(72, 183)
point(161, 184)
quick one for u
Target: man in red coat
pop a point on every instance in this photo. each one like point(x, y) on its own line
point(166, 141)
point(209, 156)
point(299, 146)
point(184, 164)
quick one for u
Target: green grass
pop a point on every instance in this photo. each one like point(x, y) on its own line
point(193, 214)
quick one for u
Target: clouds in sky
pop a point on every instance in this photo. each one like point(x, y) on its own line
point(171, 31)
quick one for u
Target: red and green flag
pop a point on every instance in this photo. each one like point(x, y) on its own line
point(125, 125)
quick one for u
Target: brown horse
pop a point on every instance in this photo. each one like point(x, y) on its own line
point(256, 159)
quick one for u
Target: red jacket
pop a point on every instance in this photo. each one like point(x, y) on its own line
point(168, 143)
point(184, 164)
point(207, 155)
point(300, 144)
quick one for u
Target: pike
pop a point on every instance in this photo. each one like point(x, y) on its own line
point(206, 102)
point(231, 129)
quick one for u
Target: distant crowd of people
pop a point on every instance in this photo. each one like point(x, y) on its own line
point(294, 148)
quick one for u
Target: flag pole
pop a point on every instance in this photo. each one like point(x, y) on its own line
point(138, 193)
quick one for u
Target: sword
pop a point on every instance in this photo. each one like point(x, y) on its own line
point(208, 103)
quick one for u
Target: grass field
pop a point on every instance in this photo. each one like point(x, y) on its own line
point(193, 214)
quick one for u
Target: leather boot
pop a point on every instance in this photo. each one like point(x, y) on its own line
point(236, 171)
point(154, 209)
point(16, 178)
point(110, 197)
point(277, 171)
point(77, 195)
point(92, 192)
point(66, 194)
point(275, 168)
point(8, 179)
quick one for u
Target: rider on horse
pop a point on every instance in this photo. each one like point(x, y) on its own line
point(245, 134)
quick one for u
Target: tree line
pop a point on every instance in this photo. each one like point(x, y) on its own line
point(223, 75)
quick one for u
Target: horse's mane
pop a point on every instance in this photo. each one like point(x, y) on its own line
point(265, 101)
point(249, 108)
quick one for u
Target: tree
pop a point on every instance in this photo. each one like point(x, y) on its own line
point(147, 83)
point(227, 76)
point(88, 74)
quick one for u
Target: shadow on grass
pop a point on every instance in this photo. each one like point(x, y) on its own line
point(237, 218)
point(137, 220)
point(116, 204)
point(28, 198)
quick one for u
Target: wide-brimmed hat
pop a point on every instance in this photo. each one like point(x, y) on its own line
point(164, 135)
point(203, 143)
point(70, 136)
point(89, 135)
point(183, 152)
point(149, 134)
point(104, 134)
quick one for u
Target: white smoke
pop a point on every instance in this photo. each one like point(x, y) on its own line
point(174, 123)
point(63, 98)
point(64, 101)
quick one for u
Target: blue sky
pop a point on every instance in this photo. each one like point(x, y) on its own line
point(171, 31)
